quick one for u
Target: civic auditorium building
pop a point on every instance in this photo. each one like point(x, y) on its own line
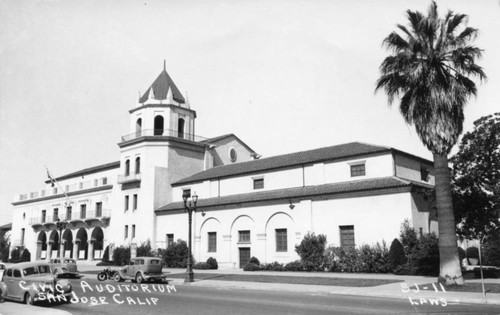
point(354, 193)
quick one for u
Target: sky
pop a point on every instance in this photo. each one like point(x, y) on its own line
point(284, 76)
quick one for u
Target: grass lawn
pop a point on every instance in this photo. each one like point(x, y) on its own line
point(467, 287)
point(342, 282)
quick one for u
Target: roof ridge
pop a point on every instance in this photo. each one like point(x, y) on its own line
point(290, 159)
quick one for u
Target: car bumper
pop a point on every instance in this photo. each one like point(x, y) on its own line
point(155, 277)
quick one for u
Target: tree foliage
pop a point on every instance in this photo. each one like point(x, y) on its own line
point(4, 247)
point(429, 71)
point(476, 179)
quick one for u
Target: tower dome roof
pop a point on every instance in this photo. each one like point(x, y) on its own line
point(160, 89)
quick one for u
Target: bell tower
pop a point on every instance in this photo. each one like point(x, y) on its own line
point(160, 148)
point(162, 111)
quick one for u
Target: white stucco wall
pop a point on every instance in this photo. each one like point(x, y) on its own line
point(319, 216)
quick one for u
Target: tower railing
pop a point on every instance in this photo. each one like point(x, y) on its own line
point(162, 133)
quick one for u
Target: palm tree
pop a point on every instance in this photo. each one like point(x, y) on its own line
point(429, 72)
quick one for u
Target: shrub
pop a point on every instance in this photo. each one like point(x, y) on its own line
point(373, 259)
point(381, 258)
point(15, 255)
point(409, 239)
point(121, 255)
point(251, 267)
point(5, 254)
point(105, 263)
point(176, 255)
point(490, 253)
point(311, 251)
point(105, 256)
point(201, 265)
point(396, 254)
point(294, 266)
point(461, 254)
point(274, 266)
point(144, 250)
point(212, 263)
point(340, 259)
point(26, 255)
point(254, 260)
point(472, 252)
point(427, 259)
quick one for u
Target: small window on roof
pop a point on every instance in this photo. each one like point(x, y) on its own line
point(258, 183)
point(424, 174)
point(232, 155)
point(358, 170)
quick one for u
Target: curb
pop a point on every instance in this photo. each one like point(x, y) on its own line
point(359, 291)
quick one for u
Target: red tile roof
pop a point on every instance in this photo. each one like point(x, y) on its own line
point(281, 161)
point(300, 192)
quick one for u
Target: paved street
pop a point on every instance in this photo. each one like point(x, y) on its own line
point(110, 297)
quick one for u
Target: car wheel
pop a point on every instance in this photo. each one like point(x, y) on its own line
point(118, 278)
point(28, 299)
point(139, 278)
point(101, 276)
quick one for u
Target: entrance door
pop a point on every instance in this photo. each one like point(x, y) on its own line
point(244, 256)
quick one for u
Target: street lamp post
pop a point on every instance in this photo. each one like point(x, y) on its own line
point(190, 206)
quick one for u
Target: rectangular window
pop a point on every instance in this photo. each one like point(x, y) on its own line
point(56, 214)
point(258, 183)
point(105, 181)
point(357, 170)
point(68, 213)
point(95, 182)
point(424, 174)
point(170, 240)
point(126, 203)
point(98, 209)
point(126, 231)
point(133, 230)
point(135, 202)
point(22, 236)
point(44, 215)
point(83, 211)
point(212, 242)
point(347, 236)
point(281, 240)
point(186, 193)
point(244, 236)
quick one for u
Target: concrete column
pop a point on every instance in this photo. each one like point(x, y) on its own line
point(61, 249)
point(75, 250)
point(90, 251)
point(49, 251)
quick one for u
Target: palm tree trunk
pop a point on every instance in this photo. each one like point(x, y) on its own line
point(449, 267)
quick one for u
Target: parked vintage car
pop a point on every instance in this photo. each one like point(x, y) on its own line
point(63, 267)
point(32, 282)
point(142, 269)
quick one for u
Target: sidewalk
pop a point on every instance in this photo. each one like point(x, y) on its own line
point(405, 289)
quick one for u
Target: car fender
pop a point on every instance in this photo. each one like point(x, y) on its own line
point(3, 290)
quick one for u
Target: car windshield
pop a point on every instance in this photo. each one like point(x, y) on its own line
point(36, 270)
point(70, 261)
point(154, 262)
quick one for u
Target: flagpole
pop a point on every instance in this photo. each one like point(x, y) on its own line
point(54, 181)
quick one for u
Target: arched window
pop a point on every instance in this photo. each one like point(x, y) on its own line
point(127, 167)
point(138, 165)
point(180, 128)
point(158, 126)
point(138, 127)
